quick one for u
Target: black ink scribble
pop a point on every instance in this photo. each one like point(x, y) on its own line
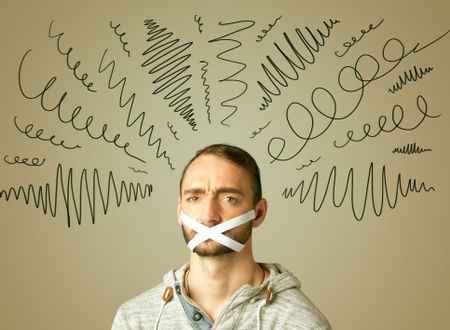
point(137, 171)
point(174, 133)
point(371, 189)
point(241, 25)
point(86, 126)
point(48, 198)
point(120, 35)
point(140, 118)
point(409, 76)
point(307, 165)
point(199, 22)
point(254, 133)
point(25, 161)
point(397, 118)
point(410, 149)
point(67, 53)
point(206, 85)
point(37, 135)
point(264, 32)
point(349, 44)
point(164, 54)
point(363, 72)
point(278, 77)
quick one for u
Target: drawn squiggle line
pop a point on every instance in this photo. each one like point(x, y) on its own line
point(163, 55)
point(172, 131)
point(264, 31)
point(34, 161)
point(247, 24)
point(120, 35)
point(303, 60)
point(140, 118)
point(206, 85)
point(255, 133)
point(370, 188)
point(410, 149)
point(310, 163)
point(27, 130)
point(137, 171)
point(90, 188)
point(86, 126)
point(409, 76)
point(198, 20)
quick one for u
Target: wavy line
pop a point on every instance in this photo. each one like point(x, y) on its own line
point(410, 149)
point(174, 133)
point(310, 163)
point(370, 187)
point(38, 134)
point(409, 76)
point(120, 35)
point(302, 61)
point(243, 65)
point(89, 189)
point(169, 58)
point(207, 99)
point(140, 118)
point(137, 171)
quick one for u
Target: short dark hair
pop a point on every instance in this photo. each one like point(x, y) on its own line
point(238, 156)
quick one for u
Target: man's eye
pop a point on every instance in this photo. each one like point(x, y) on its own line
point(230, 199)
point(192, 198)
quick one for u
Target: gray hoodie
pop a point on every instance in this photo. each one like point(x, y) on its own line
point(278, 303)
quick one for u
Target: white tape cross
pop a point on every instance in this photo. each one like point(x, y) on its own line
point(215, 232)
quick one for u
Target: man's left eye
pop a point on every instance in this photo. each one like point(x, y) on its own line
point(230, 199)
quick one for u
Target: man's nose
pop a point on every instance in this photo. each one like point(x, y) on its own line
point(210, 215)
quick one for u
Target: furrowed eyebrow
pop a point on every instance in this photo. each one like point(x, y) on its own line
point(221, 190)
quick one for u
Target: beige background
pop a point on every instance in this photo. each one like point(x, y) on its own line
point(382, 272)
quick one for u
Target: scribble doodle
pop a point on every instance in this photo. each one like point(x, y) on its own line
point(67, 53)
point(165, 55)
point(86, 126)
point(120, 35)
point(397, 117)
point(409, 149)
point(48, 198)
point(18, 160)
point(409, 76)
point(254, 133)
point(241, 26)
point(307, 165)
point(174, 133)
point(303, 60)
point(140, 118)
point(199, 22)
point(137, 171)
point(349, 44)
point(362, 73)
point(349, 192)
point(37, 135)
point(206, 85)
point(264, 32)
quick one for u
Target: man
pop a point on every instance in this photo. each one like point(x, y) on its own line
point(222, 287)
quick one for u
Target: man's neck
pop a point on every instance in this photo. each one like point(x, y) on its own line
point(211, 281)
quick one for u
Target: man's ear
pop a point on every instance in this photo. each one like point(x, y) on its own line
point(260, 211)
point(179, 211)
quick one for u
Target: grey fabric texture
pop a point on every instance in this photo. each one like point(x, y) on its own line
point(288, 307)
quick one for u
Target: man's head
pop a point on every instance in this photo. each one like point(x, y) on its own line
point(219, 183)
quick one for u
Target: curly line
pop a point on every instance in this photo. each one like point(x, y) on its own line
point(207, 99)
point(226, 103)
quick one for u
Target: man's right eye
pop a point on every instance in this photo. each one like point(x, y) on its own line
point(192, 198)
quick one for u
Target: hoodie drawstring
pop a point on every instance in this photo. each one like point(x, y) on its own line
point(166, 297)
point(263, 303)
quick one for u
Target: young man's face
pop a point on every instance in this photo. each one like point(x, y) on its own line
point(215, 190)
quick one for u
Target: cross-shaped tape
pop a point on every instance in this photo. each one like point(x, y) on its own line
point(216, 232)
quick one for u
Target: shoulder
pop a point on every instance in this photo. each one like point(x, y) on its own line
point(139, 311)
point(298, 311)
